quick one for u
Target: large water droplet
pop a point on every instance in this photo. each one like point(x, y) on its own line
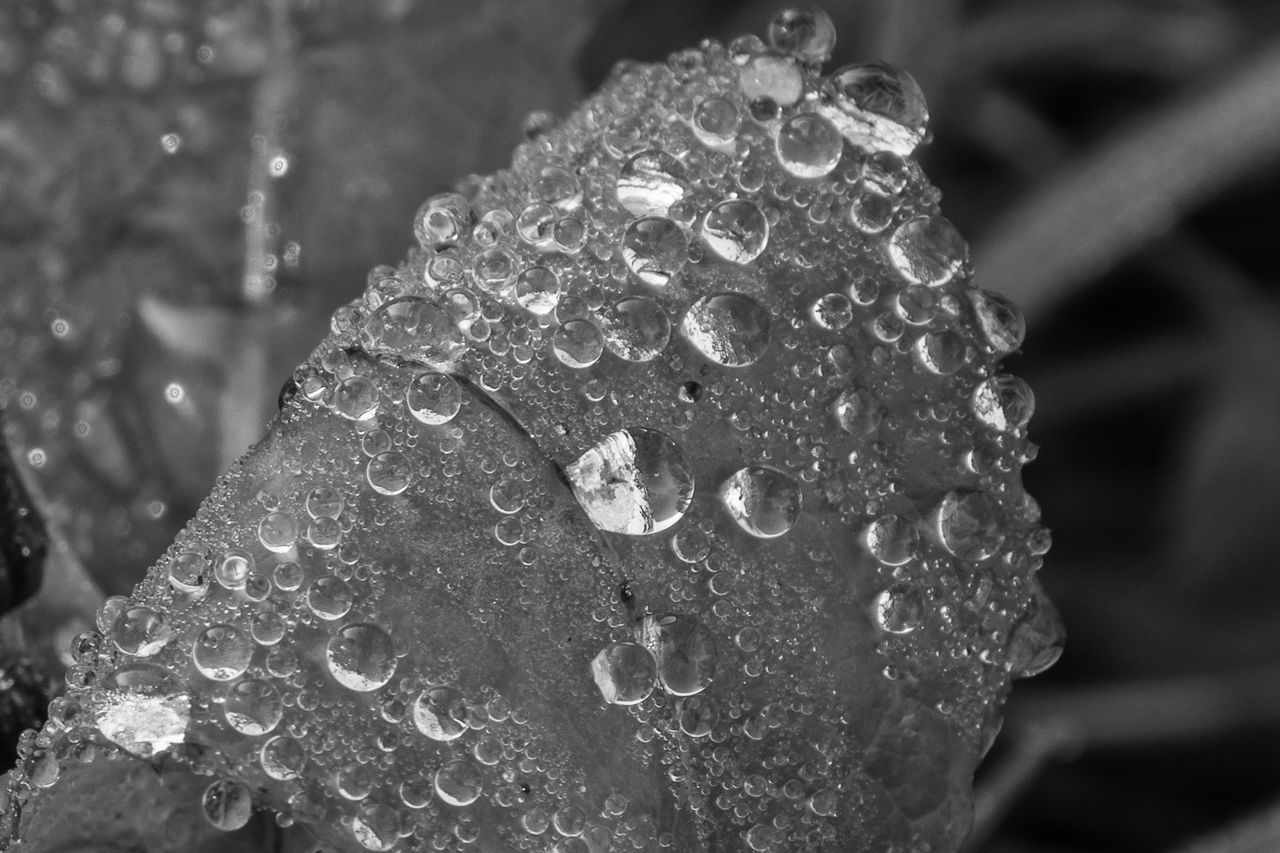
point(1004, 403)
point(716, 121)
point(389, 473)
point(233, 569)
point(624, 673)
point(697, 716)
point(684, 651)
point(361, 657)
point(253, 707)
point(143, 709)
point(376, 827)
point(764, 501)
point(413, 327)
point(222, 652)
point(329, 598)
point(655, 249)
point(440, 713)
point(443, 220)
point(736, 230)
point(805, 32)
point(141, 631)
point(927, 250)
point(891, 539)
point(651, 182)
point(1035, 643)
point(189, 572)
point(941, 353)
point(1001, 321)
point(277, 532)
point(227, 805)
point(899, 609)
point(459, 783)
point(577, 344)
point(636, 328)
point(969, 525)
point(857, 411)
point(636, 481)
point(728, 328)
point(808, 146)
point(433, 398)
point(538, 290)
point(355, 398)
point(882, 107)
point(282, 758)
point(771, 76)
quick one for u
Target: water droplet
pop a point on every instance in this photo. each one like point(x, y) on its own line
point(569, 821)
point(871, 212)
point(414, 328)
point(690, 544)
point(635, 481)
point(736, 230)
point(624, 673)
point(728, 328)
point(969, 525)
point(253, 707)
point(507, 495)
point(233, 570)
point(459, 783)
point(433, 398)
point(1001, 321)
point(771, 76)
point(361, 657)
point(684, 651)
point(267, 628)
point(806, 32)
point(189, 572)
point(927, 250)
point(222, 652)
point(1004, 403)
point(282, 758)
point(882, 107)
point(891, 539)
point(559, 187)
point(577, 344)
point(354, 782)
point(832, 311)
point(538, 290)
point(329, 598)
point(376, 827)
point(440, 713)
point(808, 146)
point(697, 716)
point(857, 411)
point(288, 576)
point(356, 398)
point(655, 249)
point(278, 532)
point(636, 328)
point(899, 609)
point(716, 122)
point(764, 501)
point(389, 473)
point(651, 182)
point(824, 802)
point(1035, 643)
point(141, 631)
point(941, 353)
point(227, 805)
point(443, 220)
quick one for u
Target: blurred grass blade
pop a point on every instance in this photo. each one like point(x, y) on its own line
point(1126, 192)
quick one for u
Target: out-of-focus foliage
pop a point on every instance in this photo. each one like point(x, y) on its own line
point(1116, 159)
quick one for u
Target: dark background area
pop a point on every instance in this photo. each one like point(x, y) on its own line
point(1114, 163)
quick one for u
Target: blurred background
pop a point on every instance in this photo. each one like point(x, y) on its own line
point(187, 189)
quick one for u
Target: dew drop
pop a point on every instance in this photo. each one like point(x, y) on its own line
point(376, 827)
point(636, 329)
point(832, 311)
point(234, 568)
point(771, 76)
point(538, 290)
point(361, 657)
point(941, 353)
point(227, 805)
point(577, 344)
point(736, 230)
point(728, 328)
point(899, 609)
point(253, 707)
point(389, 473)
point(969, 525)
point(1004, 403)
point(808, 146)
point(624, 673)
point(189, 572)
point(655, 249)
point(882, 107)
point(635, 481)
point(927, 250)
point(857, 411)
point(443, 220)
point(413, 327)
point(1002, 323)
point(716, 121)
point(282, 758)
point(329, 598)
point(697, 716)
point(356, 398)
point(805, 32)
point(891, 539)
point(651, 182)
point(458, 782)
point(684, 651)
point(222, 652)
point(141, 631)
point(277, 532)
point(440, 713)
point(764, 501)
point(433, 398)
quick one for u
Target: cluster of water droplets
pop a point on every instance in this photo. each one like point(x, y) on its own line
point(673, 465)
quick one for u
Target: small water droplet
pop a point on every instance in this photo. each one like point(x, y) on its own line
point(651, 182)
point(969, 525)
point(927, 250)
point(253, 707)
point(764, 501)
point(635, 481)
point(222, 652)
point(433, 398)
point(808, 146)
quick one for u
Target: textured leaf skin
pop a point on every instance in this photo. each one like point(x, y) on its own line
point(833, 569)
